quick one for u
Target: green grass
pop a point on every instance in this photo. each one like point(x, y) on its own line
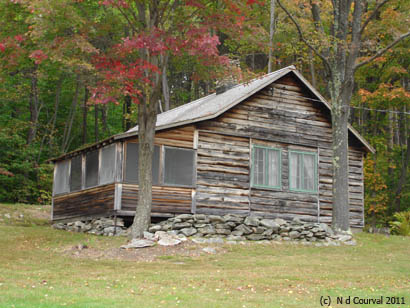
point(35, 272)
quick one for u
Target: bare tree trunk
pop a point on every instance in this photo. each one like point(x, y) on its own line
point(56, 107)
point(96, 132)
point(147, 116)
point(71, 116)
point(312, 68)
point(85, 111)
point(403, 176)
point(340, 116)
point(104, 119)
point(127, 112)
point(165, 88)
point(35, 107)
point(271, 34)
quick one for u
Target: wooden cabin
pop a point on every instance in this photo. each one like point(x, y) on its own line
point(260, 148)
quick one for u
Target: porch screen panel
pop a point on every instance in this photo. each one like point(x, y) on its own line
point(132, 164)
point(179, 167)
point(76, 173)
point(61, 179)
point(91, 169)
point(107, 170)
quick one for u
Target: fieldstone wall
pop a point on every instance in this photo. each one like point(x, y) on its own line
point(220, 229)
point(100, 226)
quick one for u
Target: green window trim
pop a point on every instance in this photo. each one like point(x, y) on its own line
point(315, 179)
point(266, 168)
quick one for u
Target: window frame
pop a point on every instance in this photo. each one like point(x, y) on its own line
point(315, 179)
point(266, 148)
point(162, 179)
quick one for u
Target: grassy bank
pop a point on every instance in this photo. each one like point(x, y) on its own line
point(40, 269)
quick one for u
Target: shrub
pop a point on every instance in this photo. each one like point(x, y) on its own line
point(401, 224)
point(22, 178)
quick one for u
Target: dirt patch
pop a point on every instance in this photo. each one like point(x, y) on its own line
point(147, 254)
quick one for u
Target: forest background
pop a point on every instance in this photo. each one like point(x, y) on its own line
point(50, 52)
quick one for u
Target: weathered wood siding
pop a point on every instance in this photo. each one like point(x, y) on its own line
point(356, 186)
point(279, 116)
point(89, 202)
point(181, 137)
point(222, 174)
point(284, 203)
point(165, 199)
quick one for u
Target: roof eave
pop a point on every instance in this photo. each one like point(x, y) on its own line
point(367, 146)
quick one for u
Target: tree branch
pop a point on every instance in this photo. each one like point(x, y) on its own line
point(319, 54)
point(382, 51)
point(366, 22)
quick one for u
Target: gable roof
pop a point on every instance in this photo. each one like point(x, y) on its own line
point(213, 105)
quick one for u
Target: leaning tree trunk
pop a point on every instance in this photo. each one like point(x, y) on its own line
point(147, 117)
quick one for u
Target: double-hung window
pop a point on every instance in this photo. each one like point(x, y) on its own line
point(302, 171)
point(266, 167)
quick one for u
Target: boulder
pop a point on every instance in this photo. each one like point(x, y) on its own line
point(244, 229)
point(270, 224)
point(294, 235)
point(207, 230)
point(188, 231)
point(184, 217)
point(154, 228)
point(181, 225)
point(251, 221)
point(223, 231)
point(233, 218)
point(258, 230)
point(216, 219)
point(231, 224)
point(150, 236)
point(268, 232)
point(200, 225)
point(138, 243)
point(235, 238)
point(237, 233)
point(199, 217)
point(280, 221)
point(169, 241)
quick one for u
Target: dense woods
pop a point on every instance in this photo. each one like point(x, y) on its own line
point(71, 71)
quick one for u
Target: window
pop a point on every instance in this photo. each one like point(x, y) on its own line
point(266, 167)
point(91, 169)
point(132, 163)
point(107, 170)
point(76, 173)
point(302, 171)
point(61, 179)
point(179, 166)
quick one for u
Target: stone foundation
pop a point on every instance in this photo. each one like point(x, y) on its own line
point(219, 229)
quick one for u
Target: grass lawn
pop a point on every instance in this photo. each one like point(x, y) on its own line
point(35, 271)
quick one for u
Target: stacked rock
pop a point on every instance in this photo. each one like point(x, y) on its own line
point(100, 226)
point(218, 229)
